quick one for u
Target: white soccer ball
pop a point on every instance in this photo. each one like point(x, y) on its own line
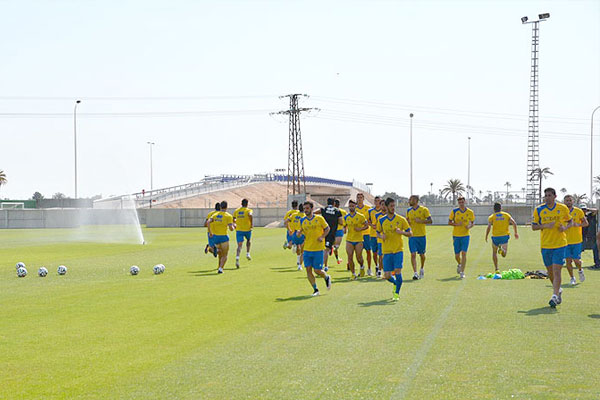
point(162, 268)
point(157, 269)
point(42, 272)
point(21, 272)
point(20, 265)
point(134, 270)
point(61, 270)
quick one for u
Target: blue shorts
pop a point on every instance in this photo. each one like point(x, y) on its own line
point(461, 243)
point(313, 259)
point(374, 244)
point(288, 236)
point(379, 249)
point(554, 256)
point(353, 243)
point(339, 233)
point(367, 242)
point(500, 240)
point(218, 239)
point(392, 261)
point(297, 240)
point(417, 244)
point(211, 240)
point(241, 235)
point(573, 251)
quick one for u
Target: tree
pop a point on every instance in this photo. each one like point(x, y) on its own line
point(399, 199)
point(540, 174)
point(454, 187)
point(59, 196)
point(563, 191)
point(37, 196)
point(3, 179)
point(578, 199)
point(507, 184)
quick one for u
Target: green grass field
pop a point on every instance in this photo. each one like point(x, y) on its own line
point(100, 333)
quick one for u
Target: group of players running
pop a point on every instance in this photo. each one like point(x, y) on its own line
point(315, 235)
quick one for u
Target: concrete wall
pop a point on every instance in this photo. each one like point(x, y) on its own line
point(62, 218)
point(439, 214)
point(194, 217)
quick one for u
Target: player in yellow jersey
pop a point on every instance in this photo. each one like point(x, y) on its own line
point(462, 219)
point(286, 222)
point(373, 234)
point(356, 224)
point(363, 209)
point(298, 238)
point(217, 229)
point(211, 246)
point(418, 216)
point(552, 219)
point(242, 217)
point(378, 252)
point(339, 234)
point(575, 239)
point(499, 223)
point(392, 227)
point(315, 229)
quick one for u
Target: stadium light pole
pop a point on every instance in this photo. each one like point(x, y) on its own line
point(592, 154)
point(469, 171)
point(151, 175)
point(75, 140)
point(411, 154)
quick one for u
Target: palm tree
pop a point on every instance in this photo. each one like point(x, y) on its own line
point(3, 179)
point(454, 187)
point(507, 184)
point(563, 191)
point(578, 199)
point(540, 174)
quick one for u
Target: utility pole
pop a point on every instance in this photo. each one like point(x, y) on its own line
point(296, 180)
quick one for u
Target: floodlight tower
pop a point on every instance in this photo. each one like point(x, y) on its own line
point(296, 181)
point(533, 136)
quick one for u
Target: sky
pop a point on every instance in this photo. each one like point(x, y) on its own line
point(200, 79)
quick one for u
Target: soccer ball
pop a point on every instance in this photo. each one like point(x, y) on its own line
point(42, 272)
point(157, 269)
point(61, 270)
point(162, 268)
point(21, 272)
point(134, 270)
point(20, 265)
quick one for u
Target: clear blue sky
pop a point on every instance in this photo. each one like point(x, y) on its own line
point(461, 66)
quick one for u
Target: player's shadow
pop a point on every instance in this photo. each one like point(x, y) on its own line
point(450, 279)
point(286, 269)
point(539, 311)
point(385, 302)
point(295, 298)
point(348, 279)
point(210, 272)
point(594, 316)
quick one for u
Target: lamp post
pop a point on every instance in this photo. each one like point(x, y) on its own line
point(75, 140)
point(151, 175)
point(592, 154)
point(411, 154)
point(469, 170)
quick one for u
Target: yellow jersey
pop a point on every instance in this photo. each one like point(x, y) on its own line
point(393, 242)
point(220, 222)
point(378, 215)
point(353, 221)
point(373, 220)
point(295, 223)
point(463, 218)
point(365, 213)
point(288, 216)
point(210, 214)
point(242, 219)
point(559, 214)
point(574, 233)
point(312, 228)
point(418, 229)
point(500, 223)
point(344, 213)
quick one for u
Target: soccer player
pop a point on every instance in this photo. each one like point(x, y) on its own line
point(242, 217)
point(418, 216)
point(333, 216)
point(552, 219)
point(373, 234)
point(462, 219)
point(286, 222)
point(392, 227)
point(217, 229)
point(356, 224)
point(575, 239)
point(339, 234)
point(315, 229)
point(499, 223)
point(298, 238)
point(362, 208)
point(379, 254)
point(211, 246)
